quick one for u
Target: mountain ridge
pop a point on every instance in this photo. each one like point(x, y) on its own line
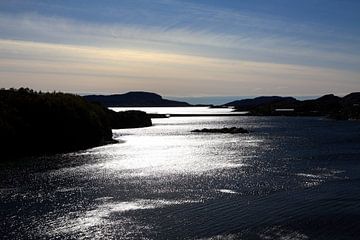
point(135, 99)
point(347, 107)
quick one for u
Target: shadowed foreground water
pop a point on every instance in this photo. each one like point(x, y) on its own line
point(290, 178)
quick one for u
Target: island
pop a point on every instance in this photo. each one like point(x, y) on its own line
point(342, 108)
point(33, 123)
point(135, 99)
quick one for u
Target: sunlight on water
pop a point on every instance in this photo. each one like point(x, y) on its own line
point(89, 222)
point(165, 181)
point(168, 154)
point(321, 176)
point(177, 110)
point(227, 191)
point(172, 149)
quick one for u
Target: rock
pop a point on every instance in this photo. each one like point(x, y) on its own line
point(129, 119)
point(232, 130)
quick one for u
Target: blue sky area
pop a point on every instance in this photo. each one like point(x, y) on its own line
point(182, 48)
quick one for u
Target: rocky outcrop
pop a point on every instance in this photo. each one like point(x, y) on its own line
point(232, 130)
point(129, 119)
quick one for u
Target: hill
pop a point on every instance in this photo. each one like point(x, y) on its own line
point(329, 105)
point(37, 123)
point(249, 104)
point(135, 99)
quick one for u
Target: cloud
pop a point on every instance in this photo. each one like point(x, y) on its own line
point(182, 40)
point(92, 69)
point(172, 47)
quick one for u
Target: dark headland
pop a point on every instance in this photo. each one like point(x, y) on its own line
point(135, 99)
point(347, 107)
point(33, 123)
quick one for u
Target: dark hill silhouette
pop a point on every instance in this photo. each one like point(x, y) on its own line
point(34, 123)
point(327, 105)
point(351, 99)
point(350, 107)
point(135, 99)
point(248, 104)
point(324, 105)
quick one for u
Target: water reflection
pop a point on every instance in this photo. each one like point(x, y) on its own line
point(164, 182)
point(166, 149)
point(169, 155)
point(100, 217)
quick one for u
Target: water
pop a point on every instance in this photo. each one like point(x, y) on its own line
point(178, 110)
point(290, 178)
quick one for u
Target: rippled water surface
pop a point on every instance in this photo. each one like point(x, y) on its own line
point(289, 178)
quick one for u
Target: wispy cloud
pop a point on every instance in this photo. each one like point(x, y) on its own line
point(180, 40)
point(173, 47)
point(93, 69)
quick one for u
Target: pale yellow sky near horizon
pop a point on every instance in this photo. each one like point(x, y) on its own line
point(89, 69)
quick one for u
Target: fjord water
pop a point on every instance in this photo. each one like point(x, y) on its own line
point(289, 178)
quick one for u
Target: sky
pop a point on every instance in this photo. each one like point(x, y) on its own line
point(186, 48)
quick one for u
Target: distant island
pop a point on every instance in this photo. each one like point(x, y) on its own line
point(347, 107)
point(34, 123)
point(329, 105)
point(135, 99)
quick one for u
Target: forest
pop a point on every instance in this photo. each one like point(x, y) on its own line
point(34, 123)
